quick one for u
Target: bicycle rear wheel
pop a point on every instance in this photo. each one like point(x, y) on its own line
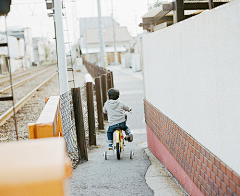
point(118, 149)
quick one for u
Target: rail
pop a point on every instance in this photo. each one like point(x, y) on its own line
point(25, 80)
point(5, 116)
point(5, 78)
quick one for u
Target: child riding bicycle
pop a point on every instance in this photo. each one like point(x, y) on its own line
point(116, 116)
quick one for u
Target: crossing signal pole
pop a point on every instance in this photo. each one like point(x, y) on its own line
point(62, 65)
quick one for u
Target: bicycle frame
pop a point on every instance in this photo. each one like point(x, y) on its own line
point(118, 142)
point(117, 136)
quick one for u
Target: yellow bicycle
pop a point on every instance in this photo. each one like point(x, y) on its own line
point(118, 145)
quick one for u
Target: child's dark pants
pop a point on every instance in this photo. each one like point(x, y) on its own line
point(112, 128)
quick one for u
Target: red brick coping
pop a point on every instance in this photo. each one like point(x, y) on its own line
point(197, 169)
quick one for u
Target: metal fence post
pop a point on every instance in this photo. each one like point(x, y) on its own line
point(112, 82)
point(109, 85)
point(91, 116)
point(99, 103)
point(104, 91)
point(79, 123)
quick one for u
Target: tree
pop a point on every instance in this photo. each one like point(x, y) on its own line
point(47, 52)
point(156, 4)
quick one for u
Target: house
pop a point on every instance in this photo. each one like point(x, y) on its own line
point(135, 60)
point(89, 41)
point(26, 35)
point(16, 53)
point(88, 23)
point(168, 13)
point(41, 50)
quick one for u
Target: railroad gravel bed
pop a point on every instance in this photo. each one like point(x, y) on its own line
point(18, 76)
point(24, 89)
point(30, 112)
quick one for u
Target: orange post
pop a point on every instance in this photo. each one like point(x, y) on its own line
point(49, 123)
point(35, 168)
point(32, 130)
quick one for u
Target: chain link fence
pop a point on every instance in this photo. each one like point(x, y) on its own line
point(68, 126)
point(68, 122)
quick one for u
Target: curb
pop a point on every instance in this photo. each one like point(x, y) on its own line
point(161, 180)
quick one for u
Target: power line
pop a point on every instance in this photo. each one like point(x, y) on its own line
point(40, 2)
point(35, 2)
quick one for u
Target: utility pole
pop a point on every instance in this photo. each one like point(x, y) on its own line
point(100, 31)
point(136, 25)
point(114, 39)
point(86, 39)
point(62, 66)
point(55, 5)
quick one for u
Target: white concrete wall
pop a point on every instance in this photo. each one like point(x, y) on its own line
point(16, 64)
point(135, 62)
point(41, 51)
point(192, 74)
point(15, 46)
point(28, 47)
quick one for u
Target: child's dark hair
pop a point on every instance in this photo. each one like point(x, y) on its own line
point(113, 93)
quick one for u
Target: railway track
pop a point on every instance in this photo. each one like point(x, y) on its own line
point(21, 82)
point(5, 79)
point(23, 90)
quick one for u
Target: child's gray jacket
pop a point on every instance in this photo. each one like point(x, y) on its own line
point(115, 111)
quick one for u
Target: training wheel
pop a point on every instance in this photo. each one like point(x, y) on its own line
point(131, 154)
point(105, 155)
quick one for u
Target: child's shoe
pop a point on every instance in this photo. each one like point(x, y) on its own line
point(110, 147)
point(129, 137)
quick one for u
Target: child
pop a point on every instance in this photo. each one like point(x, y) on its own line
point(116, 117)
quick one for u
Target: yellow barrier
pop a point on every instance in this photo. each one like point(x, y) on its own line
point(49, 122)
point(35, 168)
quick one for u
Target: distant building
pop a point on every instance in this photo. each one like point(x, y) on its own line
point(136, 61)
point(88, 23)
point(53, 53)
point(40, 52)
point(89, 41)
point(16, 53)
point(26, 35)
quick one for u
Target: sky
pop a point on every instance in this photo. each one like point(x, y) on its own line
point(33, 14)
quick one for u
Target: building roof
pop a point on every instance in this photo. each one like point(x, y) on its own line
point(121, 35)
point(166, 7)
point(86, 23)
point(107, 49)
point(162, 16)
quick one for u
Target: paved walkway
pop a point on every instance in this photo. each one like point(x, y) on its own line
point(144, 174)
